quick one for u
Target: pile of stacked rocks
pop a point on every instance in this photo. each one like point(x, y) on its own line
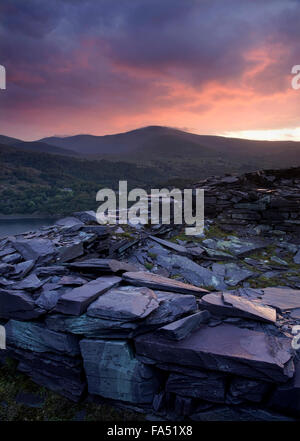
point(270, 199)
point(84, 318)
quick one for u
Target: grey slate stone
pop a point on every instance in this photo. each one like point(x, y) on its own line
point(77, 300)
point(243, 389)
point(297, 258)
point(191, 271)
point(171, 307)
point(224, 348)
point(154, 281)
point(37, 338)
point(18, 305)
point(125, 303)
point(113, 372)
point(71, 252)
point(180, 329)
point(35, 249)
point(234, 306)
point(282, 298)
point(90, 326)
point(30, 283)
point(209, 387)
point(101, 266)
point(171, 245)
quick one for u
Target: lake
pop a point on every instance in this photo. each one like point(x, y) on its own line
point(16, 226)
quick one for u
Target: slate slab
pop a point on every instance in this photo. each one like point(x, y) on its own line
point(34, 249)
point(101, 266)
point(172, 306)
point(37, 338)
point(77, 300)
point(18, 305)
point(154, 281)
point(171, 245)
point(180, 329)
point(191, 271)
point(282, 299)
point(209, 387)
point(113, 372)
point(233, 306)
point(224, 348)
point(90, 326)
point(125, 303)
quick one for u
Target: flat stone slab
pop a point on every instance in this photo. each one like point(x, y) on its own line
point(235, 306)
point(191, 271)
point(101, 266)
point(113, 372)
point(77, 300)
point(154, 281)
point(37, 338)
point(30, 283)
point(224, 348)
point(34, 249)
point(90, 326)
point(282, 298)
point(180, 329)
point(171, 245)
point(126, 303)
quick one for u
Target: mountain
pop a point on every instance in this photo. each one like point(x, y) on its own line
point(155, 143)
point(41, 147)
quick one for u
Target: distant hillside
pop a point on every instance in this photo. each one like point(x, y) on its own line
point(32, 182)
point(42, 147)
point(155, 144)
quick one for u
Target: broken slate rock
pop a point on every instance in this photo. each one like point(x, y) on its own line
point(154, 281)
point(19, 305)
point(171, 245)
point(180, 329)
point(30, 283)
point(172, 306)
point(233, 306)
point(126, 303)
point(77, 300)
point(101, 266)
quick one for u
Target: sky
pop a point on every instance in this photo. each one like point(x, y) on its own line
point(107, 66)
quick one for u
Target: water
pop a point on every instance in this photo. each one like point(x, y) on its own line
point(15, 226)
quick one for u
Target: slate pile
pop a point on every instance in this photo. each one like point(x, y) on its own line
point(145, 319)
